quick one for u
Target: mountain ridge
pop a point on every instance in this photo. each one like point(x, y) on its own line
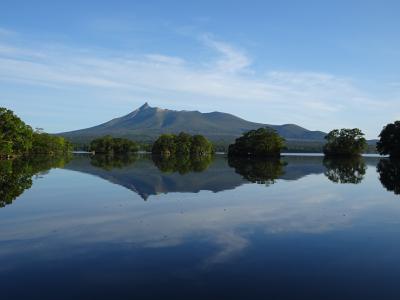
point(146, 123)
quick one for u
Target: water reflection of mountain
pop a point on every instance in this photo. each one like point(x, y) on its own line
point(144, 177)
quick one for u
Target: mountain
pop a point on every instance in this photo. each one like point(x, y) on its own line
point(146, 123)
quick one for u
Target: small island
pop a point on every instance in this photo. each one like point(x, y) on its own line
point(182, 144)
point(344, 143)
point(389, 142)
point(113, 146)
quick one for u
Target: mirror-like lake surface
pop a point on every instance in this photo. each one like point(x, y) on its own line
point(142, 228)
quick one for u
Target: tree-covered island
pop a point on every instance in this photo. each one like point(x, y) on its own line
point(389, 140)
point(182, 144)
point(263, 142)
point(345, 142)
point(113, 146)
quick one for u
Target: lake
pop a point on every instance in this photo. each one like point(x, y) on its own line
point(303, 227)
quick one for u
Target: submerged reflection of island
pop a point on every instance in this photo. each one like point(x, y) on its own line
point(146, 176)
point(389, 174)
point(345, 170)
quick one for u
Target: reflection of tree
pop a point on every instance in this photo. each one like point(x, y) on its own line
point(263, 171)
point(16, 175)
point(109, 162)
point(345, 170)
point(183, 163)
point(389, 174)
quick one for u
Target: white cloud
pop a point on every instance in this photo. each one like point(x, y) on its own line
point(225, 82)
point(232, 60)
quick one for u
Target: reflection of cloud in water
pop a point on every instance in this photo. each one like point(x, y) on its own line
point(230, 244)
point(310, 205)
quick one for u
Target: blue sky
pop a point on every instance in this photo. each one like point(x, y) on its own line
point(66, 65)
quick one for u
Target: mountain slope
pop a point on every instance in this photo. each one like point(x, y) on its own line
point(147, 123)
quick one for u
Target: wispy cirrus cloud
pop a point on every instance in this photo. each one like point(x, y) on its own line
point(226, 79)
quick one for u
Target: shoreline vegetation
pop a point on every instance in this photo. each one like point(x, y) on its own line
point(18, 139)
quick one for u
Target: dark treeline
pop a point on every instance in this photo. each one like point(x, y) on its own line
point(19, 139)
point(113, 146)
point(182, 144)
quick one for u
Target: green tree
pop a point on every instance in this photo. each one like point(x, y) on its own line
point(200, 146)
point(15, 135)
point(389, 140)
point(165, 145)
point(182, 145)
point(44, 143)
point(263, 142)
point(344, 142)
point(183, 142)
point(113, 146)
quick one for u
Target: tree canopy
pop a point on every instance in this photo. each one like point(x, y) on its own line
point(389, 140)
point(344, 142)
point(15, 135)
point(109, 145)
point(262, 142)
point(182, 144)
point(44, 143)
point(17, 138)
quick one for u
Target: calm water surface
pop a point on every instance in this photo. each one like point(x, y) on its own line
point(102, 228)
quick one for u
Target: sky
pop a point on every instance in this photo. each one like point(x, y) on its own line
point(67, 65)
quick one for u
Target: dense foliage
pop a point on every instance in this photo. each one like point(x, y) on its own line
point(44, 143)
point(262, 142)
point(15, 135)
point(17, 138)
point(389, 174)
point(389, 142)
point(345, 170)
point(109, 145)
point(182, 144)
point(345, 142)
